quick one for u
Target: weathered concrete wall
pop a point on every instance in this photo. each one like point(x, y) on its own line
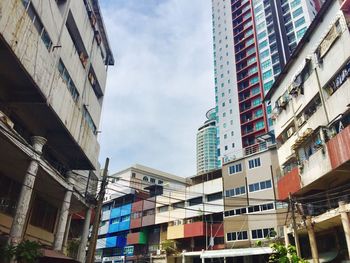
point(41, 64)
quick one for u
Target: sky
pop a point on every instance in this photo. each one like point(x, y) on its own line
point(162, 83)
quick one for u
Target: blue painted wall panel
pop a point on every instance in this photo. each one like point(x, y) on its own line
point(126, 210)
point(113, 228)
point(115, 212)
point(125, 225)
point(111, 242)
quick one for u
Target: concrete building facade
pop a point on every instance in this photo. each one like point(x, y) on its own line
point(55, 56)
point(252, 208)
point(311, 124)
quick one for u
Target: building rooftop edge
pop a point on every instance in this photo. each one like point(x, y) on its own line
point(97, 10)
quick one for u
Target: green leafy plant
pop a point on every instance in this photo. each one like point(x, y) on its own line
point(73, 247)
point(283, 254)
point(169, 246)
point(25, 252)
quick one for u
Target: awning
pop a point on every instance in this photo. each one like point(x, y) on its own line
point(226, 253)
point(53, 256)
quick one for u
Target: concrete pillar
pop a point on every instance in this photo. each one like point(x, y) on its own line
point(346, 223)
point(312, 239)
point(66, 234)
point(286, 238)
point(84, 237)
point(63, 218)
point(20, 217)
point(183, 256)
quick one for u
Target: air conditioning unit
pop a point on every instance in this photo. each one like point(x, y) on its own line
point(178, 222)
point(290, 132)
point(301, 120)
point(283, 100)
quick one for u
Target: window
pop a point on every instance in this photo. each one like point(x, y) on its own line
point(294, 3)
point(160, 182)
point(261, 35)
point(263, 233)
point(254, 80)
point(236, 168)
point(89, 120)
point(259, 125)
point(268, 85)
point(215, 196)
point(254, 163)
point(256, 102)
point(298, 12)
point(263, 44)
point(37, 24)
point(145, 178)
point(115, 220)
point(266, 64)
point(233, 236)
point(299, 22)
point(179, 204)
point(152, 180)
point(301, 32)
point(163, 209)
point(264, 54)
point(235, 191)
point(195, 201)
point(267, 74)
point(260, 186)
point(258, 113)
point(67, 78)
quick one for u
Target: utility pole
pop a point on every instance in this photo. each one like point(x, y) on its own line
point(92, 244)
point(295, 230)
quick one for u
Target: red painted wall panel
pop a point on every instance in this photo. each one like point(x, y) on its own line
point(195, 229)
point(339, 148)
point(133, 238)
point(218, 230)
point(289, 183)
point(137, 206)
point(135, 223)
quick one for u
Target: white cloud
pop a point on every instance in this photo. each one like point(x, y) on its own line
point(161, 86)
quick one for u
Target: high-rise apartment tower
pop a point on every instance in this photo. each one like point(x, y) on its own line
point(252, 42)
point(206, 144)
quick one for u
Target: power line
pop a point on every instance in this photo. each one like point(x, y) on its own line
point(203, 211)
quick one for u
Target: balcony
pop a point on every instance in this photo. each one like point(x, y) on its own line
point(116, 241)
point(339, 148)
point(197, 229)
point(119, 226)
point(289, 183)
point(104, 229)
point(139, 238)
point(176, 232)
point(315, 167)
point(106, 215)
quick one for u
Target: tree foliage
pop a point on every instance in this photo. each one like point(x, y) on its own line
point(25, 252)
point(283, 254)
point(169, 246)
